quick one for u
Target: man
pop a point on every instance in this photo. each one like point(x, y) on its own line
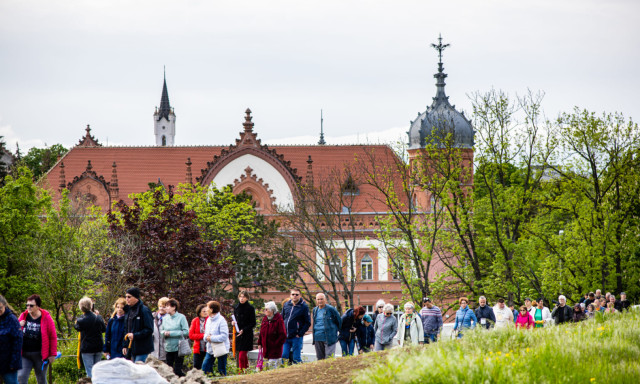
point(598, 294)
point(431, 321)
point(591, 298)
point(485, 314)
point(623, 303)
point(326, 323)
point(296, 322)
point(606, 297)
point(562, 313)
point(504, 315)
point(158, 338)
point(138, 323)
point(514, 312)
point(584, 298)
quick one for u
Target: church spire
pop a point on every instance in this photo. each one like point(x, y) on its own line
point(441, 97)
point(165, 107)
point(164, 119)
point(321, 141)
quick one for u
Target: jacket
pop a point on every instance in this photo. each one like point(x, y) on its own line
point(246, 317)
point(347, 323)
point(485, 312)
point(568, 314)
point(578, 317)
point(385, 329)
point(504, 317)
point(525, 322)
point(91, 327)
point(366, 336)
point(178, 329)
point(296, 318)
point(546, 316)
point(272, 336)
point(11, 341)
point(332, 323)
point(415, 329)
point(431, 319)
point(218, 329)
point(464, 318)
point(48, 332)
point(138, 320)
point(195, 335)
point(158, 338)
point(114, 337)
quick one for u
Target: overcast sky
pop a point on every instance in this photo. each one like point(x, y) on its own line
point(368, 64)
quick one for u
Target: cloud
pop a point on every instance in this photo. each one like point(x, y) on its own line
point(11, 138)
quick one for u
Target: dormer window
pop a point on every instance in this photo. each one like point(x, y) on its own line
point(349, 187)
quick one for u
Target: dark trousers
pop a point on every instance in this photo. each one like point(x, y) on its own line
point(175, 362)
point(207, 364)
point(198, 358)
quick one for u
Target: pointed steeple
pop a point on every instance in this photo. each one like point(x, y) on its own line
point(165, 107)
point(321, 141)
point(88, 140)
point(441, 97)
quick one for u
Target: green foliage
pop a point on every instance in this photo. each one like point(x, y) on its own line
point(65, 369)
point(40, 160)
point(606, 350)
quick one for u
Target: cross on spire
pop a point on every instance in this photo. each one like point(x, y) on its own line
point(440, 47)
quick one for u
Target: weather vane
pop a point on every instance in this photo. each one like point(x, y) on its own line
point(440, 47)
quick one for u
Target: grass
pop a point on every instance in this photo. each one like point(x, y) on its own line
point(601, 350)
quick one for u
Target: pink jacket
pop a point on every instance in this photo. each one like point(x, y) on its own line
point(525, 321)
point(48, 331)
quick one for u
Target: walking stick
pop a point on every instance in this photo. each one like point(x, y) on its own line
point(234, 344)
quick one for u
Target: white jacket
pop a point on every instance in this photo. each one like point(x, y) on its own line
point(218, 330)
point(504, 317)
point(415, 329)
point(546, 315)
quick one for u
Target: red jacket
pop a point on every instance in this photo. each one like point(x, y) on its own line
point(48, 332)
point(195, 335)
point(525, 321)
point(272, 336)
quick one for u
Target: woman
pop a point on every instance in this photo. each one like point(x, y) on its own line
point(158, 339)
point(591, 311)
point(114, 337)
point(39, 340)
point(541, 316)
point(524, 320)
point(245, 315)
point(410, 330)
point(347, 335)
point(578, 315)
point(610, 308)
point(216, 334)
point(464, 317)
point(174, 328)
point(196, 333)
point(11, 341)
point(366, 335)
point(272, 335)
point(91, 328)
point(378, 310)
point(385, 328)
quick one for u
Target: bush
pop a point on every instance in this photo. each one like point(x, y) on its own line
point(65, 369)
point(595, 351)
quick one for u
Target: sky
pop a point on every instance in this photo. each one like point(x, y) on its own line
point(367, 64)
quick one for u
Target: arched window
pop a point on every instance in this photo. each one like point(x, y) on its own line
point(366, 267)
point(164, 141)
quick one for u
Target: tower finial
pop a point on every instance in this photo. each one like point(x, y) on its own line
point(441, 97)
point(248, 124)
point(440, 47)
point(321, 141)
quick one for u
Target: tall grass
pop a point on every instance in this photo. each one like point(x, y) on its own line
point(601, 350)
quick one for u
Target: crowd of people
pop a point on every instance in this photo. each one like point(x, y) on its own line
point(134, 332)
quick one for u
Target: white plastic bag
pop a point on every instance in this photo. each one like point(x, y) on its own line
point(120, 370)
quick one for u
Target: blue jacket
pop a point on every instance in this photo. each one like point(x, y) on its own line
point(11, 341)
point(464, 317)
point(332, 323)
point(114, 337)
point(366, 335)
point(296, 318)
point(347, 322)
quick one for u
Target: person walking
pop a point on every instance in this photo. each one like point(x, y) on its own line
point(562, 313)
point(465, 318)
point(114, 335)
point(431, 321)
point(91, 328)
point(348, 329)
point(174, 328)
point(138, 327)
point(196, 333)
point(297, 322)
point(504, 315)
point(11, 341)
point(485, 314)
point(410, 331)
point(385, 328)
point(378, 310)
point(541, 314)
point(158, 338)
point(216, 334)
point(245, 315)
point(272, 335)
point(326, 323)
point(39, 340)
point(365, 335)
point(524, 320)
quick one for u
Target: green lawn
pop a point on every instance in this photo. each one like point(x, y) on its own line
point(601, 350)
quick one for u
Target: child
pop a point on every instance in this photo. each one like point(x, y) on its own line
point(365, 335)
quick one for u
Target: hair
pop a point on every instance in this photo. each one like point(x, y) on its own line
point(562, 297)
point(162, 302)
point(294, 290)
point(245, 294)
point(35, 298)
point(460, 300)
point(214, 306)
point(4, 302)
point(501, 301)
point(409, 304)
point(119, 300)
point(271, 305)
point(591, 294)
point(387, 308)
point(173, 303)
point(379, 303)
point(534, 303)
point(481, 297)
point(591, 307)
point(610, 296)
point(199, 309)
point(321, 294)
point(85, 304)
point(523, 308)
point(359, 311)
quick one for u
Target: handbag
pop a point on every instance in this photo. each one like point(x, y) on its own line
point(260, 361)
point(184, 349)
point(219, 349)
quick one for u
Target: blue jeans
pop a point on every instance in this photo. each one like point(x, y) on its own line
point(10, 378)
point(294, 347)
point(137, 358)
point(347, 347)
point(430, 338)
point(89, 359)
point(207, 364)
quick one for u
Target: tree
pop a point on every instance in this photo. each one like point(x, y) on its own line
point(4, 168)
point(40, 160)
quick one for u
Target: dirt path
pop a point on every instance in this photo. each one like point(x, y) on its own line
point(339, 370)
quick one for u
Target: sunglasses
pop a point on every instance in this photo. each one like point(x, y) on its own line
point(380, 306)
point(30, 305)
point(295, 294)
